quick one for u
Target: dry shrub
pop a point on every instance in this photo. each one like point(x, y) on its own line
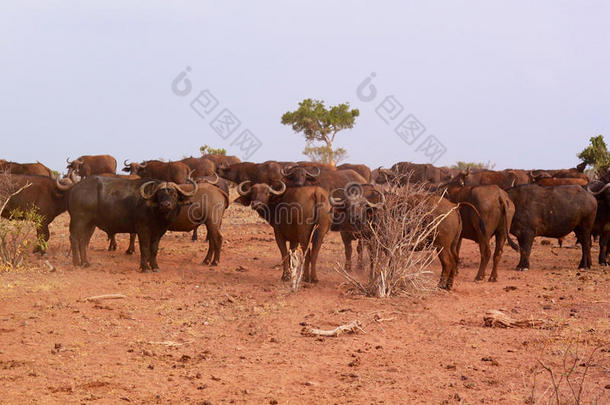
point(566, 383)
point(18, 229)
point(400, 238)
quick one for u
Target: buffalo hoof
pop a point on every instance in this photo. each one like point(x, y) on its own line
point(492, 280)
point(522, 269)
point(444, 286)
point(311, 280)
point(155, 270)
point(129, 252)
point(479, 278)
point(603, 264)
point(286, 277)
point(145, 271)
point(214, 264)
point(206, 262)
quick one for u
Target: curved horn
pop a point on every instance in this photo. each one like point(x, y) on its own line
point(376, 205)
point(278, 192)
point(212, 182)
point(240, 188)
point(335, 201)
point(68, 161)
point(63, 187)
point(144, 194)
point(125, 162)
point(286, 171)
point(311, 174)
point(600, 191)
point(187, 193)
point(142, 165)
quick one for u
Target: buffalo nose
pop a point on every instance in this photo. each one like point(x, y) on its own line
point(166, 205)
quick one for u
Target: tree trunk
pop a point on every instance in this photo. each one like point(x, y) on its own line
point(331, 155)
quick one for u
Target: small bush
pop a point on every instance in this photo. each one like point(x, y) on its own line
point(400, 239)
point(18, 235)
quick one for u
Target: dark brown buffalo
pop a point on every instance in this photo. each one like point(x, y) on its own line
point(32, 169)
point(503, 180)
point(116, 206)
point(359, 214)
point(520, 176)
point(361, 169)
point(405, 172)
point(47, 196)
point(207, 208)
point(201, 167)
point(561, 181)
point(601, 227)
point(299, 216)
point(493, 217)
point(175, 172)
point(222, 160)
point(552, 212)
point(257, 173)
point(87, 165)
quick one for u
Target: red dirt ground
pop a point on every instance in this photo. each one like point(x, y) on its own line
point(232, 334)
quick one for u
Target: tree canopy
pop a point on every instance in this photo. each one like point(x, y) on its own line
point(206, 149)
point(596, 155)
point(321, 124)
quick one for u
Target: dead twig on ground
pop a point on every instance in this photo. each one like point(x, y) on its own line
point(105, 297)
point(499, 319)
point(351, 327)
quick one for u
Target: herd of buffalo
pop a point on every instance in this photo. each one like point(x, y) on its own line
point(303, 201)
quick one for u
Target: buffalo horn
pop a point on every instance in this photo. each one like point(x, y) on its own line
point(278, 192)
point(240, 188)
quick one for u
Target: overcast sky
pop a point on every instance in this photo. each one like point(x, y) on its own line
point(519, 83)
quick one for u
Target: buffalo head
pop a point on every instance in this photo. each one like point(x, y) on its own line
point(258, 195)
point(298, 175)
point(134, 168)
point(167, 196)
point(354, 206)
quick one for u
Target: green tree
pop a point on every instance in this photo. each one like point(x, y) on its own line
point(596, 155)
point(473, 165)
point(321, 124)
point(208, 150)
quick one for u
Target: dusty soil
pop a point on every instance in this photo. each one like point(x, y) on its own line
point(232, 334)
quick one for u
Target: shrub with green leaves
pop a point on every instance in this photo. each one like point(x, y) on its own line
point(18, 235)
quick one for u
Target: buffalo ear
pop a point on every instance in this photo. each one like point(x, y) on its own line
point(126, 170)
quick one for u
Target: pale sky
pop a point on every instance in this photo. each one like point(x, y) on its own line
point(519, 83)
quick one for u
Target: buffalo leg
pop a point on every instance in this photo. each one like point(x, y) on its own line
point(346, 237)
point(154, 250)
point(84, 244)
point(525, 249)
point(44, 234)
point(214, 243)
point(195, 236)
point(316, 244)
point(449, 266)
point(604, 238)
point(584, 237)
point(144, 241)
point(500, 240)
point(132, 244)
point(112, 246)
point(281, 244)
point(458, 248)
point(360, 251)
point(485, 251)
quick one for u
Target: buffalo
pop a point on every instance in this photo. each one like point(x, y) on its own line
point(45, 195)
point(222, 160)
point(86, 166)
point(207, 208)
point(489, 212)
point(146, 207)
point(552, 212)
point(299, 216)
point(256, 173)
point(174, 172)
point(32, 169)
point(201, 167)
